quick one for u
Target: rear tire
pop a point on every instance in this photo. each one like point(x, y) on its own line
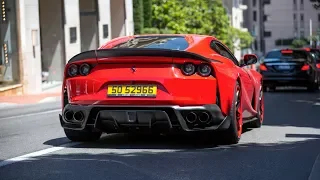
point(233, 134)
point(313, 87)
point(82, 135)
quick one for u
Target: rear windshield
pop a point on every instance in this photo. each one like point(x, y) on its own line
point(296, 55)
point(158, 42)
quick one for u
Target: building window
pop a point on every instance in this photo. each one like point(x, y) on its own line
point(294, 17)
point(253, 33)
point(295, 4)
point(267, 33)
point(254, 3)
point(255, 44)
point(301, 34)
point(301, 4)
point(301, 17)
point(9, 62)
point(254, 15)
point(265, 18)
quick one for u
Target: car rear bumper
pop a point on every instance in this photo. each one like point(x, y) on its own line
point(117, 119)
point(278, 79)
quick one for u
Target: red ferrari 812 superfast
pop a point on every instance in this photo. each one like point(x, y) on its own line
point(160, 83)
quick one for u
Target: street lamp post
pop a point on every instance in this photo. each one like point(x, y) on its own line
point(310, 23)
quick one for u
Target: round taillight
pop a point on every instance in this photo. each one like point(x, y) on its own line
point(188, 69)
point(73, 70)
point(84, 69)
point(204, 70)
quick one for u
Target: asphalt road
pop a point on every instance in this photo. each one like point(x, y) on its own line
point(286, 148)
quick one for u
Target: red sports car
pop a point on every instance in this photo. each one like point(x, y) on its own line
point(160, 83)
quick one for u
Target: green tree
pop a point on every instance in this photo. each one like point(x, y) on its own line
point(298, 43)
point(244, 36)
point(169, 14)
point(138, 16)
point(166, 31)
point(147, 13)
point(220, 22)
point(207, 17)
point(150, 31)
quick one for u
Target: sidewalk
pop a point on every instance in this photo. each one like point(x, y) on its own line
point(49, 95)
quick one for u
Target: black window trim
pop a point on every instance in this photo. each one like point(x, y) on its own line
point(234, 60)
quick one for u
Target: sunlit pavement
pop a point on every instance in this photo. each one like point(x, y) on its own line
point(286, 147)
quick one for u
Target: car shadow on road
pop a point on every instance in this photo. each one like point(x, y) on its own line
point(145, 141)
point(242, 161)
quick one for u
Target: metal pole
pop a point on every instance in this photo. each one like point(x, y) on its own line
point(310, 32)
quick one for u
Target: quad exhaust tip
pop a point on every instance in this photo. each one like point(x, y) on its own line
point(78, 116)
point(68, 115)
point(191, 117)
point(204, 117)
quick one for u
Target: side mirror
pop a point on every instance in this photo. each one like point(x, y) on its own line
point(249, 59)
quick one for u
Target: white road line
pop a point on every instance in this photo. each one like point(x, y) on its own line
point(32, 114)
point(36, 154)
point(315, 171)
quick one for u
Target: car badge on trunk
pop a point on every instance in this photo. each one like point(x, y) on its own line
point(133, 69)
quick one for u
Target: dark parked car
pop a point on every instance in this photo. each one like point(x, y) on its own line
point(316, 53)
point(290, 67)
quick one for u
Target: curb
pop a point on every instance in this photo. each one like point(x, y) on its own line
point(49, 99)
point(315, 172)
point(8, 105)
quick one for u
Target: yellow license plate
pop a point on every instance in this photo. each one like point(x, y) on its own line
point(132, 90)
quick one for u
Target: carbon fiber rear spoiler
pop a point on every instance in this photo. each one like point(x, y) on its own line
point(121, 52)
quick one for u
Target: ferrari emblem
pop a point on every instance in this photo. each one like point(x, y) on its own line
point(133, 69)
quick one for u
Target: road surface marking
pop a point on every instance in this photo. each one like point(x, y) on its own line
point(315, 171)
point(32, 114)
point(36, 154)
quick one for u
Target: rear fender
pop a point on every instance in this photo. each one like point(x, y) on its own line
point(258, 87)
point(226, 79)
point(257, 81)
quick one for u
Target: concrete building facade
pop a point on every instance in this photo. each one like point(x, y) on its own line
point(38, 37)
point(235, 10)
point(254, 18)
point(289, 20)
